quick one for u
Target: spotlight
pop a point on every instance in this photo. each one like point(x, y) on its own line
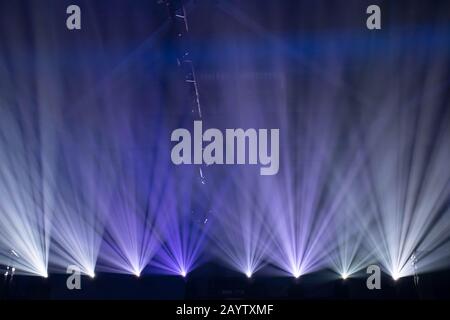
point(91, 275)
point(297, 274)
point(138, 274)
point(344, 275)
point(248, 274)
point(183, 274)
point(396, 274)
point(45, 275)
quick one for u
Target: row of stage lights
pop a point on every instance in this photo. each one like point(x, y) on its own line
point(10, 271)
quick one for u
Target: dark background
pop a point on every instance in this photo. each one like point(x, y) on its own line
point(125, 51)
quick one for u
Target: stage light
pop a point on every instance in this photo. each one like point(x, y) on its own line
point(91, 275)
point(130, 237)
point(136, 272)
point(395, 276)
point(240, 234)
point(344, 275)
point(297, 274)
point(181, 237)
